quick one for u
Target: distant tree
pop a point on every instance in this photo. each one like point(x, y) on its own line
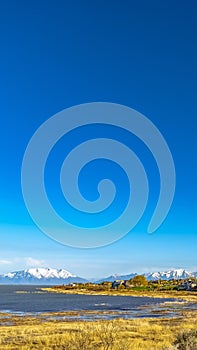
point(139, 280)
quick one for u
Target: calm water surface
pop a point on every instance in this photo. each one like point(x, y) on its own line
point(29, 299)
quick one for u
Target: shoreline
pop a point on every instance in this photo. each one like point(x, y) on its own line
point(132, 334)
point(165, 310)
point(156, 305)
point(151, 326)
point(185, 296)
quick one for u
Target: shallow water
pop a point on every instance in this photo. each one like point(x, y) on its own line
point(23, 300)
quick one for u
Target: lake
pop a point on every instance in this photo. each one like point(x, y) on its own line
point(30, 299)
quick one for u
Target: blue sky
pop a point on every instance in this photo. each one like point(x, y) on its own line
point(58, 54)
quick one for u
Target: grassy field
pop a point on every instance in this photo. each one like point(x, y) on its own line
point(140, 334)
point(49, 332)
point(184, 295)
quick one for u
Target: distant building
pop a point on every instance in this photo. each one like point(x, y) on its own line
point(119, 283)
point(190, 285)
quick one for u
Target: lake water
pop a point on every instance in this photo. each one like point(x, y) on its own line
point(29, 299)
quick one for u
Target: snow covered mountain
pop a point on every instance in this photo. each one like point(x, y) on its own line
point(171, 274)
point(48, 276)
point(117, 277)
point(153, 276)
point(40, 276)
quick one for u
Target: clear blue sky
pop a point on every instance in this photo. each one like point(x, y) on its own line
point(56, 54)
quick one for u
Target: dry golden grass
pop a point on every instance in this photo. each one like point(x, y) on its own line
point(139, 334)
point(184, 295)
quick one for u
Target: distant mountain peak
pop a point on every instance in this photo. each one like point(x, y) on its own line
point(170, 274)
point(40, 275)
point(50, 276)
point(151, 276)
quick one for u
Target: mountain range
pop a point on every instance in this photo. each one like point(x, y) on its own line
point(153, 276)
point(49, 276)
point(40, 276)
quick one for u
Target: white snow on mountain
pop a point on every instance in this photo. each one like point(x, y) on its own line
point(61, 276)
point(171, 274)
point(165, 275)
point(49, 273)
point(40, 273)
point(40, 276)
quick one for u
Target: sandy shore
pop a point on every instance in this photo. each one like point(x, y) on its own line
point(186, 296)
